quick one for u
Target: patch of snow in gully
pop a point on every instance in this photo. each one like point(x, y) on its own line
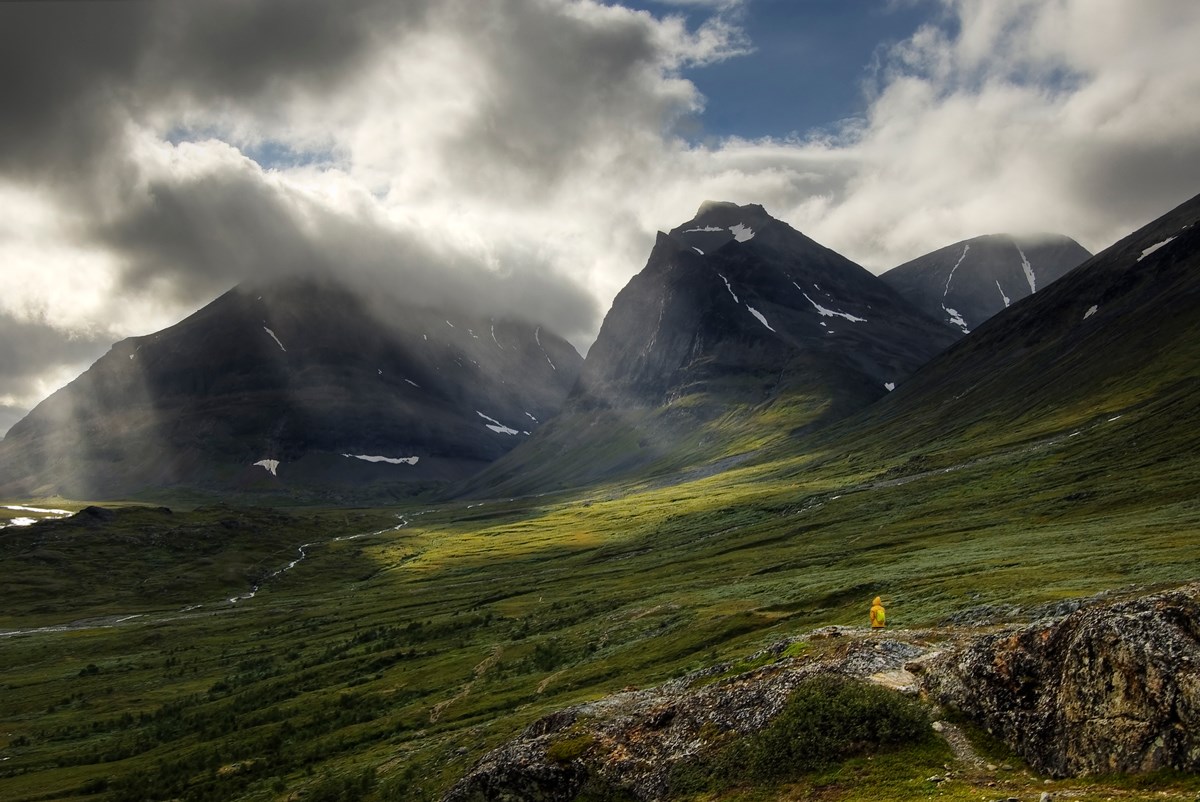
point(389, 460)
point(495, 425)
point(1155, 247)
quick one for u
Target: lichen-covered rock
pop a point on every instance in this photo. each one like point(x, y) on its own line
point(632, 740)
point(1111, 688)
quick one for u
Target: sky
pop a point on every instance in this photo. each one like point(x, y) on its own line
point(518, 156)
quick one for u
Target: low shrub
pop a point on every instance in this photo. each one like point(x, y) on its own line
point(826, 720)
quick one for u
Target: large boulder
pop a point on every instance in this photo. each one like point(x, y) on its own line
point(1111, 688)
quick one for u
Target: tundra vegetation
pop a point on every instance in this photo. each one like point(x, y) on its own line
point(382, 667)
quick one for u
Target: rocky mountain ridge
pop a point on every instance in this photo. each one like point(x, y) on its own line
point(735, 296)
point(1111, 687)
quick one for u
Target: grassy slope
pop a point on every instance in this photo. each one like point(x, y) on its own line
point(410, 652)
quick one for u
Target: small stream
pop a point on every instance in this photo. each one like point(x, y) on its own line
point(107, 622)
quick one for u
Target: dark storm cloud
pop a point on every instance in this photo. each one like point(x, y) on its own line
point(76, 72)
point(90, 71)
point(557, 94)
point(237, 50)
point(194, 238)
point(64, 67)
point(27, 347)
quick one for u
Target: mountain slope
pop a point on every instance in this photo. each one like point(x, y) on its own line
point(1117, 337)
point(293, 384)
point(738, 328)
point(968, 282)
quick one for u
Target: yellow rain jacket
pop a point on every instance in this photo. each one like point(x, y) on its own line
point(877, 614)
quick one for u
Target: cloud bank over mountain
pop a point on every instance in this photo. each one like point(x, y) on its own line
point(522, 153)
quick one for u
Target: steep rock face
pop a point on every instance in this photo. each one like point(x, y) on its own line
point(968, 282)
point(289, 384)
point(1112, 688)
point(735, 300)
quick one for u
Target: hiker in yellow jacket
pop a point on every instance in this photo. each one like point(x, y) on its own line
point(877, 614)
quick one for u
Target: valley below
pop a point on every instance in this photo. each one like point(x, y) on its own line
point(383, 667)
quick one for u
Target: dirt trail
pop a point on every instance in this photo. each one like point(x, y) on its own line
point(964, 752)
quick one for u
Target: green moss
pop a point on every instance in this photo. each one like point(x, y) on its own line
point(570, 748)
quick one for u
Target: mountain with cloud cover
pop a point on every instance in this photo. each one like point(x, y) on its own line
point(968, 282)
point(1110, 347)
point(292, 385)
point(735, 316)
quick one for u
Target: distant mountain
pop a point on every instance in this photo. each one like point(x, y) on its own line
point(294, 384)
point(968, 282)
point(735, 313)
point(1115, 343)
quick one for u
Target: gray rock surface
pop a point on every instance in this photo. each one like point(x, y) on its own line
point(1110, 688)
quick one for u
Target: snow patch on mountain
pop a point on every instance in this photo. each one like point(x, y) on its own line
point(537, 335)
point(1028, 268)
point(889, 386)
point(760, 317)
point(730, 288)
point(1007, 300)
point(1155, 247)
point(705, 228)
point(1093, 309)
point(495, 425)
point(966, 247)
point(389, 460)
point(825, 312)
point(276, 339)
point(956, 318)
point(270, 465)
point(42, 510)
point(741, 232)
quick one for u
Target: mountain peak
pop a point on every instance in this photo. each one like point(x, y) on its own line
point(970, 281)
point(719, 222)
point(712, 206)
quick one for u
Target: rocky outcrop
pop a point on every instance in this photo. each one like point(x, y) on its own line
point(632, 740)
point(1110, 688)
